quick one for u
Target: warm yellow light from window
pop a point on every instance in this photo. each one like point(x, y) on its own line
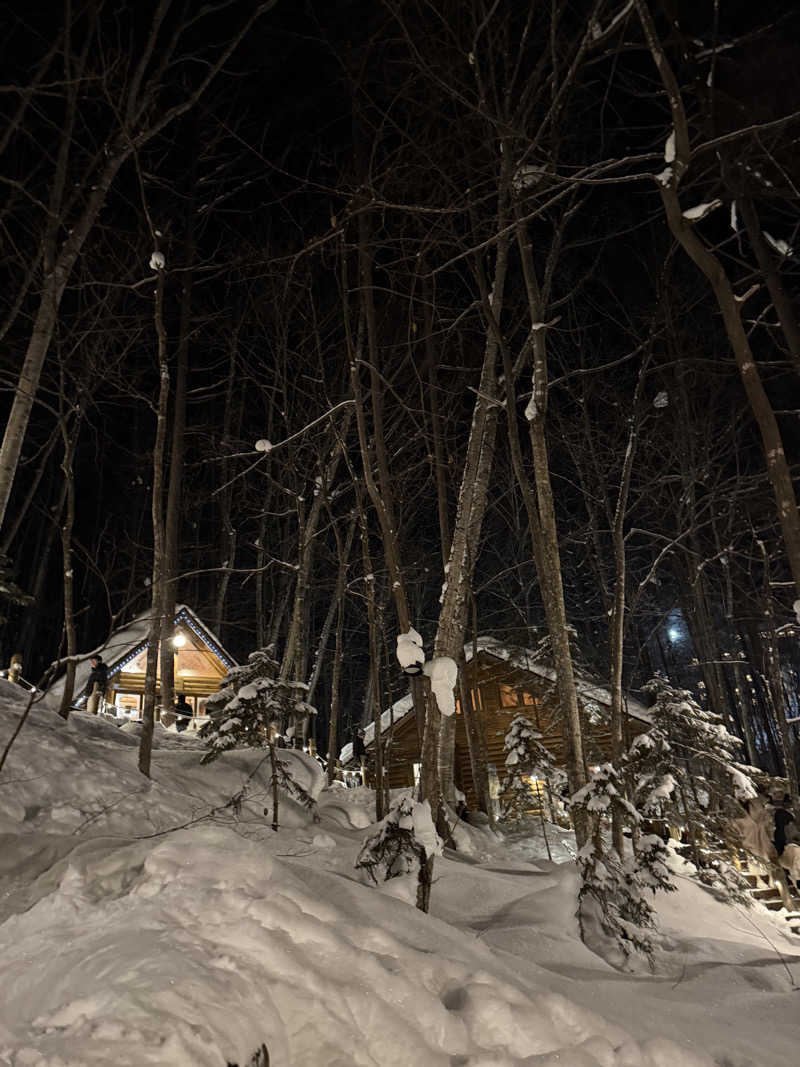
point(179, 640)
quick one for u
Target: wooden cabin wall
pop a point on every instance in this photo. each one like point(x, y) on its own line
point(498, 686)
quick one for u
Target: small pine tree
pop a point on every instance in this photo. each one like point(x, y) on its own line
point(612, 894)
point(244, 713)
point(405, 841)
point(526, 758)
point(685, 771)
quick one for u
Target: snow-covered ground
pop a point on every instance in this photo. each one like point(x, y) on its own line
point(155, 922)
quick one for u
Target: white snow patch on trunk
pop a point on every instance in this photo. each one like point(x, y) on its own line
point(443, 673)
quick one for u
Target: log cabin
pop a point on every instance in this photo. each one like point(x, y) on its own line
point(200, 664)
point(500, 683)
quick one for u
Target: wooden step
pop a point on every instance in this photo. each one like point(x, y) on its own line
point(772, 905)
point(764, 893)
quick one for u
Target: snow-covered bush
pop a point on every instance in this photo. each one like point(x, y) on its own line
point(246, 713)
point(404, 843)
point(526, 759)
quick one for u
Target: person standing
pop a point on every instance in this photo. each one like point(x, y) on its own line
point(360, 756)
point(183, 710)
point(96, 685)
point(359, 747)
point(783, 817)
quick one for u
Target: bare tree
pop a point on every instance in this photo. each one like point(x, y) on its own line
point(140, 79)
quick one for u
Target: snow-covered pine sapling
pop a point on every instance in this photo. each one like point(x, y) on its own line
point(526, 759)
point(404, 842)
point(252, 702)
point(614, 915)
point(688, 774)
point(260, 1058)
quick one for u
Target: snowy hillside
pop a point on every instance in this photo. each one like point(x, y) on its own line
point(158, 923)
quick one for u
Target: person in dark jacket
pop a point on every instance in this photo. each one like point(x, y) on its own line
point(98, 677)
point(359, 748)
point(183, 710)
point(96, 685)
point(783, 816)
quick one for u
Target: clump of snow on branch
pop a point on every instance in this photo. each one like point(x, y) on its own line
point(443, 673)
point(410, 654)
point(527, 176)
point(157, 261)
point(780, 246)
point(661, 400)
point(669, 148)
point(694, 214)
point(263, 445)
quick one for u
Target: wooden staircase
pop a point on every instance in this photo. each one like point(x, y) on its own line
point(765, 890)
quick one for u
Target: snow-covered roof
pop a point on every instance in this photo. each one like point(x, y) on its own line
point(127, 641)
point(519, 659)
point(523, 659)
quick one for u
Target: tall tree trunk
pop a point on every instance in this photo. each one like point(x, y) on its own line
point(545, 533)
point(156, 628)
point(70, 436)
point(175, 488)
point(766, 263)
point(474, 726)
point(341, 588)
point(380, 490)
point(261, 562)
point(618, 620)
point(472, 499)
point(775, 688)
point(33, 494)
point(293, 662)
point(137, 121)
point(57, 275)
point(225, 495)
point(731, 309)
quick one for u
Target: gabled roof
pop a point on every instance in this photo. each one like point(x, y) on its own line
point(522, 659)
point(128, 641)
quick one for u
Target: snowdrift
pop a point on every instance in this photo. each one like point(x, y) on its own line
point(152, 922)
